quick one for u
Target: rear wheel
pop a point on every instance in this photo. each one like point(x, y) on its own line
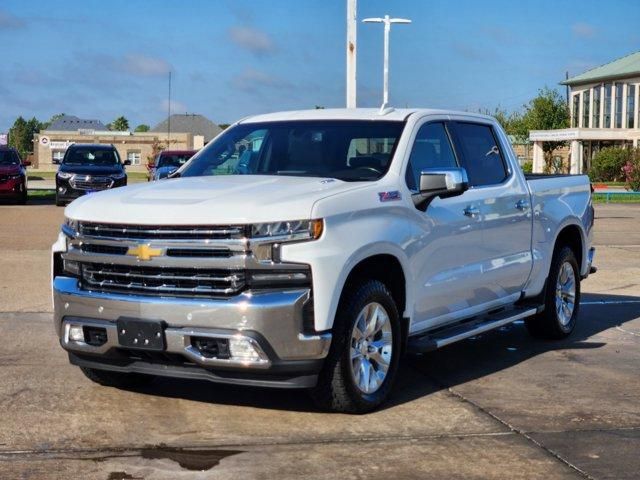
point(117, 379)
point(361, 366)
point(562, 298)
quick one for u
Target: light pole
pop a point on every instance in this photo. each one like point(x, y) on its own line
point(387, 28)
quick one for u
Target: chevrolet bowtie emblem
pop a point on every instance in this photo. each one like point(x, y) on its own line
point(144, 252)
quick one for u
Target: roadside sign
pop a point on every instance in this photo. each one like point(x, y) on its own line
point(3, 138)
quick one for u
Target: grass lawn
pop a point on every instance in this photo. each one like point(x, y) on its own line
point(133, 177)
point(617, 198)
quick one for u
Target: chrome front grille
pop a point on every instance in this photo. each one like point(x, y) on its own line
point(162, 232)
point(88, 182)
point(162, 281)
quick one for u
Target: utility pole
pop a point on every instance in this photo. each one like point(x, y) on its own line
point(387, 28)
point(169, 117)
point(352, 26)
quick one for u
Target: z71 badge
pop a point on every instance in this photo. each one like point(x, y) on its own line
point(390, 196)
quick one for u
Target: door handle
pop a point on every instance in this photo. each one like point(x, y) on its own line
point(522, 205)
point(471, 211)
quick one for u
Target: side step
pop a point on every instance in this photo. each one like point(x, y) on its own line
point(435, 339)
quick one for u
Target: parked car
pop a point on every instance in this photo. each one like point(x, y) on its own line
point(87, 168)
point(311, 249)
point(13, 175)
point(168, 161)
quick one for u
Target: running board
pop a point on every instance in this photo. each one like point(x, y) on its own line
point(433, 340)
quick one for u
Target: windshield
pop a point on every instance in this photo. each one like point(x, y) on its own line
point(346, 150)
point(7, 157)
point(173, 159)
point(104, 157)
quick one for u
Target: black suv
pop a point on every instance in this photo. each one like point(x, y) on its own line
point(86, 169)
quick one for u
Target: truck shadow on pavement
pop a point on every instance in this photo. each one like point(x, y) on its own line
point(422, 375)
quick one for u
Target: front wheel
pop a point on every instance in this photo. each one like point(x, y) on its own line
point(562, 298)
point(363, 360)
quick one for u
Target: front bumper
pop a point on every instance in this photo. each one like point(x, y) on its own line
point(272, 321)
point(67, 193)
point(12, 187)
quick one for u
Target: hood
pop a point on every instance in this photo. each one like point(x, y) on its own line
point(91, 169)
point(9, 169)
point(226, 199)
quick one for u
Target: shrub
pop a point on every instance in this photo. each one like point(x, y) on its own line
point(607, 164)
point(632, 170)
point(527, 167)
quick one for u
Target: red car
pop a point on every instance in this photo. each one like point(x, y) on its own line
point(13, 176)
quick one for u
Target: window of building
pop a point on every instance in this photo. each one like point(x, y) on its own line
point(619, 103)
point(586, 103)
point(575, 112)
point(133, 156)
point(481, 154)
point(596, 108)
point(57, 155)
point(607, 106)
point(631, 105)
point(431, 149)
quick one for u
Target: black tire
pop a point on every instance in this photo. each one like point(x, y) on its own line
point(59, 203)
point(22, 199)
point(108, 378)
point(547, 324)
point(336, 389)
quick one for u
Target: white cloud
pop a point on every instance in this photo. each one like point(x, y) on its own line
point(176, 106)
point(583, 30)
point(144, 66)
point(253, 40)
point(10, 22)
point(252, 80)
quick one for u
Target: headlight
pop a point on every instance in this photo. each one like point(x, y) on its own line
point(70, 227)
point(15, 176)
point(288, 231)
point(119, 176)
point(65, 175)
point(268, 237)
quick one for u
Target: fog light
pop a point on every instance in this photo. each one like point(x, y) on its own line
point(76, 334)
point(242, 349)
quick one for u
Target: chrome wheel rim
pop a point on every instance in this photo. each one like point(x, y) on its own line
point(371, 348)
point(565, 294)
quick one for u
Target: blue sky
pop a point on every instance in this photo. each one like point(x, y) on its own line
point(230, 59)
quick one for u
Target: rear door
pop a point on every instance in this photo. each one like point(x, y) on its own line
point(503, 198)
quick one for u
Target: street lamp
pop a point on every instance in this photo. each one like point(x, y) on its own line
point(387, 28)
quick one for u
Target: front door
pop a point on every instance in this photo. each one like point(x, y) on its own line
point(446, 256)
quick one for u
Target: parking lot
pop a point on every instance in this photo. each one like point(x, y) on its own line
point(497, 406)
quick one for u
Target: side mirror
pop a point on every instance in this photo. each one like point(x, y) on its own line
point(440, 182)
point(127, 162)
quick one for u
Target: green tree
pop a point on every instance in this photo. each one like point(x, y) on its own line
point(224, 126)
point(45, 125)
point(21, 134)
point(120, 124)
point(142, 128)
point(547, 111)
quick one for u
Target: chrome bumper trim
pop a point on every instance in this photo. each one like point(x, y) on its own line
point(277, 316)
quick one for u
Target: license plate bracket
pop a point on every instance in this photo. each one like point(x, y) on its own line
point(141, 334)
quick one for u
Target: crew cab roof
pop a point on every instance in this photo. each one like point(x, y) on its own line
point(399, 114)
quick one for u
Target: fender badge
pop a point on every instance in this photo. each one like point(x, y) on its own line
point(390, 196)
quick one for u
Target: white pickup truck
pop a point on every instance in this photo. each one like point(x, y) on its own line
point(311, 249)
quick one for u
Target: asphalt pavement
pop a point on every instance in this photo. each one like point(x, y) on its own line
point(501, 405)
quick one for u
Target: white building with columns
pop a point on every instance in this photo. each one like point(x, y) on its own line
point(604, 104)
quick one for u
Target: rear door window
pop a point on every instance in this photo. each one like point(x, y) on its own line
point(481, 153)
